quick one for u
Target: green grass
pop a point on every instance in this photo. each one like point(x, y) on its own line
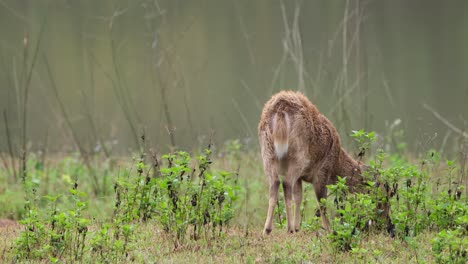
point(153, 246)
point(241, 240)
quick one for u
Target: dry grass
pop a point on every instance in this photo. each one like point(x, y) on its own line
point(153, 246)
point(279, 247)
point(9, 230)
point(243, 242)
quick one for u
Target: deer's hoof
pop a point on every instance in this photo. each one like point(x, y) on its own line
point(266, 231)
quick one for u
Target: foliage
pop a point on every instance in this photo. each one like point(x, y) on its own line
point(364, 140)
point(55, 234)
point(189, 205)
point(414, 206)
point(450, 246)
point(187, 198)
point(355, 211)
point(178, 197)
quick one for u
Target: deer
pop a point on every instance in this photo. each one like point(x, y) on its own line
point(302, 145)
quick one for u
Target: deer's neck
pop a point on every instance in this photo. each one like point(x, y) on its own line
point(348, 167)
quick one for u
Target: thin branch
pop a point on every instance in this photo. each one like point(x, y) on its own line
point(252, 95)
point(445, 121)
point(14, 12)
point(75, 137)
point(10, 145)
point(27, 84)
point(292, 43)
point(90, 107)
point(244, 119)
point(120, 91)
point(246, 36)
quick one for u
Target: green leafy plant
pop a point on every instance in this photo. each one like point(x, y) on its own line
point(364, 140)
point(133, 202)
point(446, 208)
point(193, 198)
point(450, 246)
point(179, 197)
point(56, 234)
point(354, 210)
point(409, 211)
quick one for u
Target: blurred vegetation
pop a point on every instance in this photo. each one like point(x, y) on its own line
point(202, 204)
point(93, 75)
point(93, 93)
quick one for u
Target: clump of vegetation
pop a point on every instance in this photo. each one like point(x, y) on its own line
point(186, 199)
point(184, 203)
point(354, 211)
point(450, 245)
point(55, 233)
point(187, 202)
point(364, 140)
point(415, 208)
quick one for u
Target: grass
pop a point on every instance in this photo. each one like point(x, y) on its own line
point(280, 247)
point(236, 247)
point(241, 239)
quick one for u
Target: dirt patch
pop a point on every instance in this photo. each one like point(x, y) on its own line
point(8, 223)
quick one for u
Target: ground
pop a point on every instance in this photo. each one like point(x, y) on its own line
point(236, 246)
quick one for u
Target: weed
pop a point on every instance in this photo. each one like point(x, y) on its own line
point(355, 211)
point(56, 233)
point(450, 246)
point(187, 206)
point(186, 199)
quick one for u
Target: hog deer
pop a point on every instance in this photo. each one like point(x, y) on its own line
point(301, 144)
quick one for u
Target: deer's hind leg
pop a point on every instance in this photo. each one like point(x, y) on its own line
point(272, 174)
point(321, 193)
point(297, 193)
point(290, 181)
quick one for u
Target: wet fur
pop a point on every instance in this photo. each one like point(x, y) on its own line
point(301, 144)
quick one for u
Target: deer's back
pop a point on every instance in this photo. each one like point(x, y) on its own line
point(312, 139)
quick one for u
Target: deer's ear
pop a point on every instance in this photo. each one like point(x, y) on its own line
point(363, 167)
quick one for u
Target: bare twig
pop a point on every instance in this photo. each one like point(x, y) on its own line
point(121, 93)
point(246, 36)
point(167, 112)
point(292, 43)
point(444, 141)
point(343, 97)
point(75, 137)
point(345, 45)
point(277, 71)
point(167, 72)
point(186, 90)
point(27, 73)
point(252, 95)
point(10, 145)
point(5, 164)
point(14, 12)
point(244, 119)
point(361, 63)
point(387, 91)
point(445, 121)
point(463, 163)
point(88, 108)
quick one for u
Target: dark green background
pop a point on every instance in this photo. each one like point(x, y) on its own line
point(216, 62)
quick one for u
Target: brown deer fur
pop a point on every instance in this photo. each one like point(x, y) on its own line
point(301, 144)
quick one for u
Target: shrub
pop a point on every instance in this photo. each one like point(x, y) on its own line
point(354, 210)
point(193, 198)
point(57, 233)
point(450, 246)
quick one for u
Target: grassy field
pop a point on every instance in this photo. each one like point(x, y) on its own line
point(209, 207)
point(236, 246)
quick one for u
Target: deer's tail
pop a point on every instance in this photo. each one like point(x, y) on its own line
point(280, 134)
